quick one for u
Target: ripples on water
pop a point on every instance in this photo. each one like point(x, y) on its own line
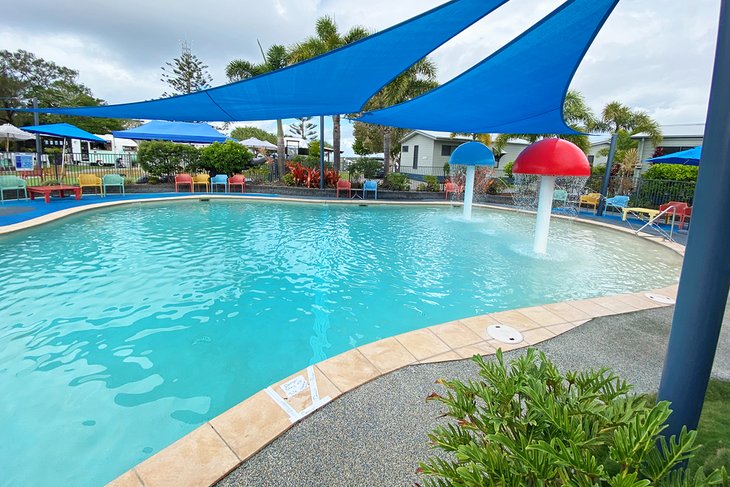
point(122, 330)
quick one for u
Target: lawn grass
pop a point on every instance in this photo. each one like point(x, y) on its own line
point(714, 428)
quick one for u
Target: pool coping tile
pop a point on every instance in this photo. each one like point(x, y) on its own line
point(422, 343)
point(387, 354)
point(455, 334)
point(349, 370)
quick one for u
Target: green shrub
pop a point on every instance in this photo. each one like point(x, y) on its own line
point(228, 157)
point(365, 167)
point(396, 181)
point(447, 170)
point(422, 187)
point(527, 424)
point(508, 169)
point(289, 179)
point(167, 158)
point(672, 172)
point(432, 183)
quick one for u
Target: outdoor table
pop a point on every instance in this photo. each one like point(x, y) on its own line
point(47, 190)
point(639, 211)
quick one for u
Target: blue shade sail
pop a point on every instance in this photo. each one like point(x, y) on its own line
point(200, 133)
point(63, 130)
point(518, 89)
point(690, 157)
point(340, 81)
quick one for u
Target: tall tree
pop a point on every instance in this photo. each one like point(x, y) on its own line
point(416, 80)
point(185, 74)
point(303, 129)
point(327, 38)
point(23, 76)
point(243, 133)
point(239, 69)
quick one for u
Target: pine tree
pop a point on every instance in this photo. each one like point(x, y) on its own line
point(303, 128)
point(186, 74)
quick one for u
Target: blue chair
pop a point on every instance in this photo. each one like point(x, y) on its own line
point(370, 186)
point(618, 202)
point(219, 180)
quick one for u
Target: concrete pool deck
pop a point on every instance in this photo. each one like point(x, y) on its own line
point(214, 449)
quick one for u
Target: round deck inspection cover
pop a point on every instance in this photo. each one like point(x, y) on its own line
point(660, 298)
point(504, 334)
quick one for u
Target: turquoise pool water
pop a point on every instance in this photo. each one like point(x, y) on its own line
point(121, 330)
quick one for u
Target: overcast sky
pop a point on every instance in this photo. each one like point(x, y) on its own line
point(652, 55)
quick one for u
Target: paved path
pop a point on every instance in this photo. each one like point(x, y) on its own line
point(377, 434)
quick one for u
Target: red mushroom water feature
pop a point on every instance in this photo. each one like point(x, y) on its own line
point(550, 158)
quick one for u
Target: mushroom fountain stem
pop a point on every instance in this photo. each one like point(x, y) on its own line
point(469, 191)
point(544, 207)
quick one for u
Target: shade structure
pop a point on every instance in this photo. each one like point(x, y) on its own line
point(518, 89)
point(472, 154)
point(690, 157)
point(340, 81)
point(254, 142)
point(63, 130)
point(197, 133)
point(552, 157)
point(11, 132)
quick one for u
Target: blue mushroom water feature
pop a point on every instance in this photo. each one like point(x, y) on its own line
point(471, 155)
point(550, 158)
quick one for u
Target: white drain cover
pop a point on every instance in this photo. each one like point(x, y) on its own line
point(504, 334)
point(659, 298)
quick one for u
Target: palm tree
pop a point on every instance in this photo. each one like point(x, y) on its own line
point(578, 116)
point(413, 82)
point(327, 38)
point(617, 117)
point(239, 69)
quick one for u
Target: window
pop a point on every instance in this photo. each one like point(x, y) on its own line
point(446, 149)
point(591, 158)
point(404, 148)
point(415, 157)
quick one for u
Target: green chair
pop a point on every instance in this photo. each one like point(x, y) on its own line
point(12, 182)
point(112, 180)
point(560, 196)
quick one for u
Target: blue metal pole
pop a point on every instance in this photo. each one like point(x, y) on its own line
point(38, 147)
point(703, 288)
point(607, 176)
point(321, 152)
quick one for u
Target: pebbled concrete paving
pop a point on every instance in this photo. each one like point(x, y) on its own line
point(377, 434)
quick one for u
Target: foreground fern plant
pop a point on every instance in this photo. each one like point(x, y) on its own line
point(526, 424)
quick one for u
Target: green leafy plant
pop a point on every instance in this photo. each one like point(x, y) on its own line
point(396, 181)
point(228, 157)
point(672, 172)
point(508, 169)
point(447, 170)
point(422, 187)
point(163, 159)
point(526, 424)
point(366, 167)
point(289, 179)
point(432, 183)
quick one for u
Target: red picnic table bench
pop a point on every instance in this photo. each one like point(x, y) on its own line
point(47, 190)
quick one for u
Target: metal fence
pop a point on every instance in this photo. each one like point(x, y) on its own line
point(418, 173)
point(646, 193)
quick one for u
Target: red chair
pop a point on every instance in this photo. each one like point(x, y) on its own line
point(686, 213)
point(452, 188)
point(237, 180)
point(183, 179)
point(344, 184)
point(679, 207)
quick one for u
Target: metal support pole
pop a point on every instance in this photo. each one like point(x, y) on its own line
point(607, 176)
point(38, 148)
point(321, 152)
point(703, 288)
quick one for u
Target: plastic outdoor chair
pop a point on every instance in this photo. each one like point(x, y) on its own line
point(112, 180)
point(679, 207)
point(452, 188)
point(237, 180)
point(686, 213)
point(184, 180)
point(202, 180)
point(560, 196)
point(343, 185)
point(219, 180)
point(370, 186)
point(590, 199)
point(15, 183)
point(618, 202)
point(90, 181)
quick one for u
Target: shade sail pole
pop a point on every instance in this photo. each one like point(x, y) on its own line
point(38, 147)
point(703, 288)
point(321, 152)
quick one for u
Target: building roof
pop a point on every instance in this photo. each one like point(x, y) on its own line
point(435, 135)
point(677, 130)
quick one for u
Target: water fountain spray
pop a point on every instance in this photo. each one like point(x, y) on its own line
point(471, 154)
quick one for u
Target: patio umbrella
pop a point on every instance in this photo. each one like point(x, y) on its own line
point(11, 132)
point(254, 142)
point(690, 157)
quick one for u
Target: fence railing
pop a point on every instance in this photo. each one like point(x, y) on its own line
point(420, 172)
point(646, 193)
point(74, 164)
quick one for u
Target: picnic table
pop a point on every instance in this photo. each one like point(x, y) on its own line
point(651, 213)
point(47, 190)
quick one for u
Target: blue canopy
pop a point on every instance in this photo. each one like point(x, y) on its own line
point(518, 89)
point(200, 133)
point(472, 154)
point(690, 157)
point(63, 130)
point(341, 81)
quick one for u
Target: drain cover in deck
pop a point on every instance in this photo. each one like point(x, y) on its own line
point(504, 334)
point(660, 298)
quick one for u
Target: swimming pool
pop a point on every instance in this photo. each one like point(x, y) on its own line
point(123, 329)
